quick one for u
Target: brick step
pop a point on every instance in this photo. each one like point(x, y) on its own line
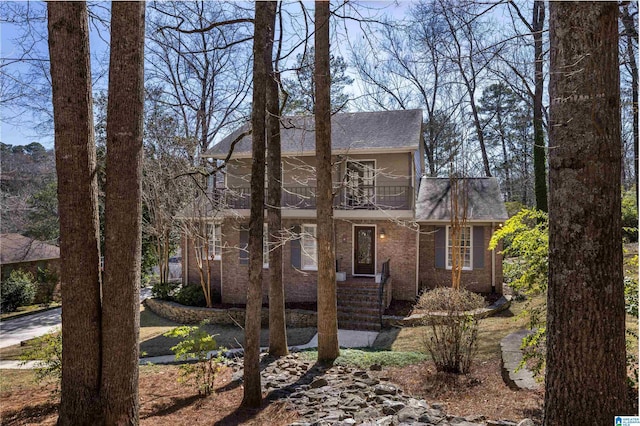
point(359, 292)
point(352, 296)
point(358, 303)
point(367, 286)
point(359, 325)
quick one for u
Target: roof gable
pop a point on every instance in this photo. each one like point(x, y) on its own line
point(15, 248)
point(485, 201)
point(380, 131)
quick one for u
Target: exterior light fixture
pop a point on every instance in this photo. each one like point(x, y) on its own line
point(382, 234)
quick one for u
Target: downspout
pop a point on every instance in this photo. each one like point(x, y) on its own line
point(417, 260)
point(493, 264)
point(185, 261)
point(221, 262)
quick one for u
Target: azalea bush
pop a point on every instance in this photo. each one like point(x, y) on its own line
point(196, 349)
point(525, 238)
point(47, 352)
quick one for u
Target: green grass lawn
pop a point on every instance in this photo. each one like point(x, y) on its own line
point(27, 310)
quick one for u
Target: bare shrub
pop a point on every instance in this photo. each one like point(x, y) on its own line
point(452, 331)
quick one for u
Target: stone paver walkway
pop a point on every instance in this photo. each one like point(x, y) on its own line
point(516, 377)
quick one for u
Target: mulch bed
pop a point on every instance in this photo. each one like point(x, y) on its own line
point(479, 393)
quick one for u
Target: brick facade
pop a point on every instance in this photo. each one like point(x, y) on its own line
point(478, 279)
point(191, 274)
point(399, 245)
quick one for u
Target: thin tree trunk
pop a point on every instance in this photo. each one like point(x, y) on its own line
point(252, 390)
point(632, 33)
point(539, 153)
point(277, 320)
point(78, 210)
point(123, 212)
point(586, 373)
point(478, 127)
point(328, 349)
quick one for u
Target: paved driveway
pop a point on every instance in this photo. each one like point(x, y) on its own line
point(14, 331)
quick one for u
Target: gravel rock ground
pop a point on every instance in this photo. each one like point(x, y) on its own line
point(341, 395)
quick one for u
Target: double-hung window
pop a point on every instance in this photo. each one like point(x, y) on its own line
point(215, 241)
point(265, 247)
point(309, 247)
point(462, 246)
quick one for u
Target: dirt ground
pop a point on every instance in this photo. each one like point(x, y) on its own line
point(163, 401)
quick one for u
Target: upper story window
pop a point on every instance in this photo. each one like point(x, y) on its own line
point(462, 245)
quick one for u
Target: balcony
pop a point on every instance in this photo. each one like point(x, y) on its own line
point(304, 197)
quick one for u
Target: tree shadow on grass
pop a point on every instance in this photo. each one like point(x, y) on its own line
point(386, 338)
point(30, 414)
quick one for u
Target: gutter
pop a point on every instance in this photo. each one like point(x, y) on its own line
point(493, 263)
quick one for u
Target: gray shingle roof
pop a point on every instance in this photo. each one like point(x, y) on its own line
point(485, 200)
point(16, 248)
point(352, 132)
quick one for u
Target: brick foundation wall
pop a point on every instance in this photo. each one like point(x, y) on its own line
point(296, 318)
point(478, 279)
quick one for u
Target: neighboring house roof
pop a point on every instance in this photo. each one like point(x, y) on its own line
point(16, 248)
point(485, 201)
point(351, 132)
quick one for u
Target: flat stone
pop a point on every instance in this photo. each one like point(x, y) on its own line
point(384, 389)
point(526, 422)
point(392, 407)
point(407, 414)
point(385, 421)
point(318, 383)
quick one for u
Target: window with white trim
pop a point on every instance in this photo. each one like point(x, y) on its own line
point(215, 244)
point(265, 247)
point(309, 248)
point(463, 246)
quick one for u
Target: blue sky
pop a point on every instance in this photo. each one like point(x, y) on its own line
point(21, 126)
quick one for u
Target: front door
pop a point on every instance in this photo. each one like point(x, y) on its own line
point(364, 256)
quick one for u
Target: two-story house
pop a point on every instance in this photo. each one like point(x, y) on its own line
point(378, 162)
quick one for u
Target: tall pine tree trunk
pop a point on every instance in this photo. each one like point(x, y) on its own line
point(252, 389)
point(123, 212)
point(78, 211)
point(328, 349)
point(585, 378)
point(539, 153)
point(277, 320)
